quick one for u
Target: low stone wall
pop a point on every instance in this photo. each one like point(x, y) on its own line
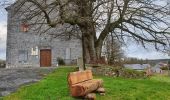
point(117, 72)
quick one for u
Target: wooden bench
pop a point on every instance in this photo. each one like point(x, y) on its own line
point(81, 83)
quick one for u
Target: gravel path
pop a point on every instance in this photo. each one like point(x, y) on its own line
point(12, 79)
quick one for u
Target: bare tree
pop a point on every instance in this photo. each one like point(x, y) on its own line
point(113, 50)
point(145, 21)
point(5, 3)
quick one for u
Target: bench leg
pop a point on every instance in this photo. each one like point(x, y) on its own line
point(101, 91)
point(90, 96)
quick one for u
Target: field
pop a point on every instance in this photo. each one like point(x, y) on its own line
point(54, 87)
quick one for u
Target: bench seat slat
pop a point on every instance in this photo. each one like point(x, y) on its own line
point(81, 76)
point(81, 83)
point(81, 89)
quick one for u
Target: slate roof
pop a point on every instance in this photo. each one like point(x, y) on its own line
point(156, 67)
point(137, 66)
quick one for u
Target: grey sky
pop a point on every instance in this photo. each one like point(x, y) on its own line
point(132, 50)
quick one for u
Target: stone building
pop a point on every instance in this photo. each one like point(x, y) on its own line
point(25, 48)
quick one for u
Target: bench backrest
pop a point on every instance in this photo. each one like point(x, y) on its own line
point(80, 76)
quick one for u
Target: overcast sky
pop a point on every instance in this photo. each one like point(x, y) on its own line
point(3, 33)
point(132, 50)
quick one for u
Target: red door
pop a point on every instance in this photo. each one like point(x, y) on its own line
point(45, 58)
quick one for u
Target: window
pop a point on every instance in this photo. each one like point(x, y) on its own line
point(34, 51)
point(24, 27)
point(23, 56)
point(68, 53)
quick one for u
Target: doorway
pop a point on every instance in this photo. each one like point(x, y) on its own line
point(45, 57)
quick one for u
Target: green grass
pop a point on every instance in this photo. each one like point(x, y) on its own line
point(54, 87)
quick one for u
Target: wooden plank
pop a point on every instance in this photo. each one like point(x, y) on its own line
point(82, 83)
point(77, 77)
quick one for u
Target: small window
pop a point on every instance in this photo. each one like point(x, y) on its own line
point(68, 53)
point(23, 56)
point(24, 27)
point(34, 51)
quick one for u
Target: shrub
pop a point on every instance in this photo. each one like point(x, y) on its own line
point(129, 73)
point(60, 61)
point(2, 64)
point(164, 68)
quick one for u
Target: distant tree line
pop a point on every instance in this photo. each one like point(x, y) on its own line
point(130, 60)
point(112, 49)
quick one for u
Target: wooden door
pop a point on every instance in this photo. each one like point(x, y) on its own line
point(45, 58)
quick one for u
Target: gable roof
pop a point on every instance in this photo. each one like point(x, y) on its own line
point(12, 5)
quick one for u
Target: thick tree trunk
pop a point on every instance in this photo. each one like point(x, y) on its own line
point(98, 50)
point(89, 41)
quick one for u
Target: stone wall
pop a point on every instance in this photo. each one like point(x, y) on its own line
point(117, 72)
point(20, 45)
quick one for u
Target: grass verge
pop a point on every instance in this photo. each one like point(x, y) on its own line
point(54, 87)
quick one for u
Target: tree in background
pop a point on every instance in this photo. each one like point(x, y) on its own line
point(113, 50)
point(131, 60)
point(142, 20)
point(2, 63)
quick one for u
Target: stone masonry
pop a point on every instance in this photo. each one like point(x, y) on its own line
point(23, 48)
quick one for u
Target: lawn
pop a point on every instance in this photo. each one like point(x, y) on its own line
point(54, 87)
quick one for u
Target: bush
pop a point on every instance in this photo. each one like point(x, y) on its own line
point(129, 73)
point(2, 64)
point(164, 68)
point(60, 61)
